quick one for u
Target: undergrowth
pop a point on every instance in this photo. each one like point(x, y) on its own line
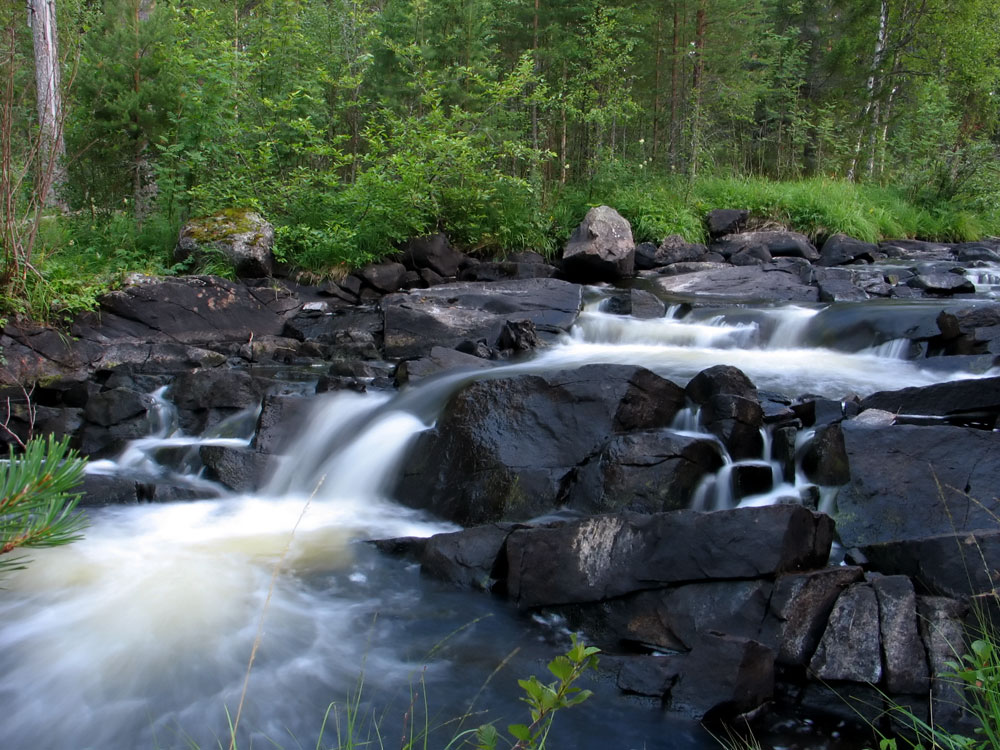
point(80, 256)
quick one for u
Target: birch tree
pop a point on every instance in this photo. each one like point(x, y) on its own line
point(48, 92)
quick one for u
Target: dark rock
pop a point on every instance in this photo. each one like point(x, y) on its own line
point(601, 248)
point(745, 283)
point(509, 448)
point(957, 565)
point(353, 331)
point(940, 621)
point(107, 489)
point(448, 315)
point(438, 361)
point(730, 409)
point(115, 406)
point(971, 402)
point(280, 422)
point(518, 337)
point(243, 238)
point(858, 326)
point(840, 291)
point(433, 253)
point(751, 479)
point(674, 249)
point(504, 270)
point(783, 450)
point(646, 471)
point(647, 675)
point(465, 558)
point(723, 221)
point(751, 255)
point(799, 609)
point(916, 250)
point(723, 675)
point(816, 412)
point(214, 389)
point(606, 556)
point(942, 284)
point(635, 302)
point(973, 251)
point(717, 263)
point(783, 244)
point(902, 650)
point(383, 277)
point(910, 482)
point(850, 648)
point(825, 459)
point(839, 249)
point(239, 469)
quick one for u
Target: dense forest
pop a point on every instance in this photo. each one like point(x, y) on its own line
point(355, 124)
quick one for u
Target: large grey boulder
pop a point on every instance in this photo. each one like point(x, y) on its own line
point(511, 448)
point(241, 238)
point(607, 556)
point(911, 482)
point(601, 248)
point(776, 244)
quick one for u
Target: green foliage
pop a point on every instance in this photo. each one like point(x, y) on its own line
point(38, 498)
point(546, 699)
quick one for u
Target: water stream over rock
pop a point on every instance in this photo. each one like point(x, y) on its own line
point(140, 634)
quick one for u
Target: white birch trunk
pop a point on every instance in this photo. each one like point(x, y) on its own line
point(52, 150)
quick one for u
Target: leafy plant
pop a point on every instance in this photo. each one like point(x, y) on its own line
point(545, 699)
point(38, 498)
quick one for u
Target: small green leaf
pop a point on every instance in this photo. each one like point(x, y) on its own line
point(520, 732)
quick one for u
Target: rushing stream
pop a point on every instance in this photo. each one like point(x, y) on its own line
point(139, 636)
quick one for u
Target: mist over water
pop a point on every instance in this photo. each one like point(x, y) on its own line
point(140, 634)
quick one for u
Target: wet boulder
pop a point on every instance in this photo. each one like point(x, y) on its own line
point(942, 284)
point(646, 471)
point(956, 565)
point(116, 405)
point(343, 332)
point(769, 282)
point(448, 315)
point(241, 238)
point(776, 244)
point(851, 646)
point(432, 253)
point(723, 221)
point(909, 482)
point(722, 676)
point(903, 653)
point(825, 459)
point(438, 361)
point(239, 469)
point(730, 409)
point(983, 250)
point(510, 448)
point(603, 557)
point(961, 402)
point(383, 277)
point(799, 609)
point(467, 558)
point(673, 249)
point(840, 249)
point(636, 303)
point(601, 248)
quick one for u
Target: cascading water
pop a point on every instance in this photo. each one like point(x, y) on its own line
point(140, 634)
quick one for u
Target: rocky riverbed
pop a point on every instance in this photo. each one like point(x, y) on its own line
point(761, 475)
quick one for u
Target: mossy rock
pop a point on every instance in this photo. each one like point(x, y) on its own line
point(236, 242)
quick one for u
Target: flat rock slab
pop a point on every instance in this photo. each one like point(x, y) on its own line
point(451, 314)
point(957, 400)
point(769, 282)
point(607, 556)
point(910, 482)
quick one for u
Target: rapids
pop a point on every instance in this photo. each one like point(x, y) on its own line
point(139, 636)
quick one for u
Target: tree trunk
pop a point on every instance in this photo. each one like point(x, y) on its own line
point(869, 115)
point(701, 26)
point(52, 149)
point(674, 88)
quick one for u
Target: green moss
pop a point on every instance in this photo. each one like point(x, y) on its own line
point(221, 225)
